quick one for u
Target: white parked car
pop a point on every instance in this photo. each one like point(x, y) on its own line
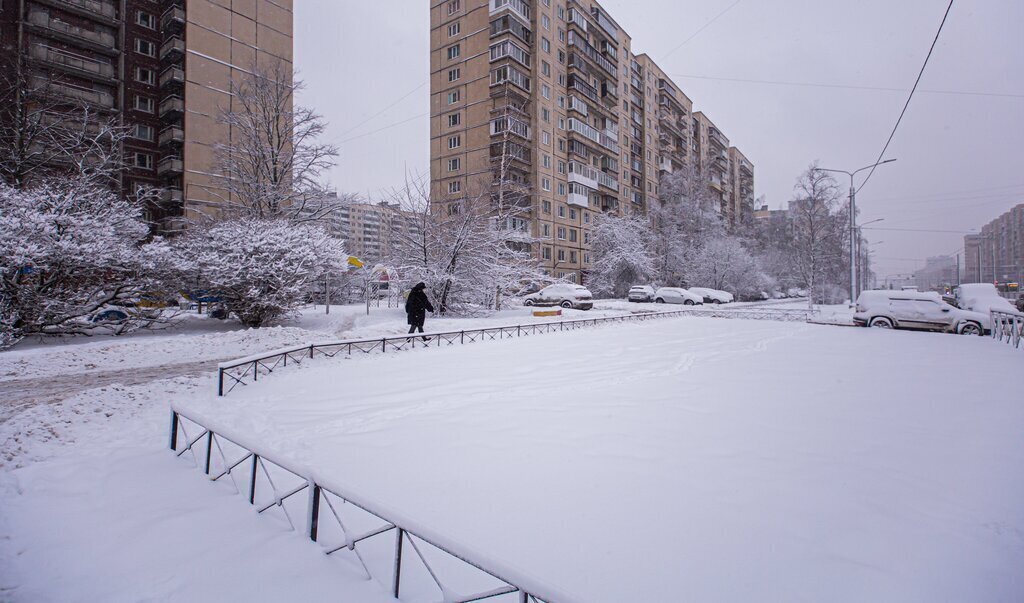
point(914, 310)
point(677, 295)
point(712, 296)
point(982, 297)
point(565, 295)
point(640, 293)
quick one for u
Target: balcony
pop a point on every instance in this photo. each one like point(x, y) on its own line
point(607, 181)
point(173, 20)
point(171, 135)
point(580, 127)
point(172, 77)
point(665, 165)
point(583, 174)
point(575, 83)
point(94, 97)
point(610, 140)
point(716, 138)
point(98, 40)
point(172, 50)
point(606, 24)
point(591, 53)
point(78, 65)
point(99, 10)
point(170, 166)
point(520, 8)
point(609, 203)
point(578, 200)
point(172, 107)
point(576, 18)
point(170, 196)
point(578, 106)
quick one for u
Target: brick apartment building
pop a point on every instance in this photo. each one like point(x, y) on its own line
point(996, 255)
point(552, 91)
point(164, 67)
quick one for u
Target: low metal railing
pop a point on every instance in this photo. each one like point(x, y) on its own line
point(246, 370)
point(1008, 327)
point(343, 522)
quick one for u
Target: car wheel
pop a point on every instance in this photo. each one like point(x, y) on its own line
point(566, 304)
point(688, 302)
point(528, 302)
point(970, 328)
point(659, 301)
point(881, 323)
point(716, 301)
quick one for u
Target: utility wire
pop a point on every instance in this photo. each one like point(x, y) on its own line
point(378, 113)
point(962, 232)
point(702, 28)
point(907, 104)
point(381, 129)
point(846, 86)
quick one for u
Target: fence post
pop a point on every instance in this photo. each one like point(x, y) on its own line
point(209, 450)
point(220, 381)
point(252, 479)
point(174, 429)
point(313, 516)
point(524, 596)
point(384, 344)
point(462, 337)
point(311, 350)
point(255, 369)
point(397, 582)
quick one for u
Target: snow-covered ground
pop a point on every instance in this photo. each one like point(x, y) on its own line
point(688, 459)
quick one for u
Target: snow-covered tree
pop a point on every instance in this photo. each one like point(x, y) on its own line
point(272, 165)
point(260, 268)
point(469, 251)
point(70, 249)
point(683, 219)
point(724, 263)
point(621, 252)
point(817, 232)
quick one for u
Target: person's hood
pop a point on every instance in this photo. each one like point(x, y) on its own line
point(419, 287)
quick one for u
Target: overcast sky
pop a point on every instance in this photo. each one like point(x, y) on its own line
point(959, 155)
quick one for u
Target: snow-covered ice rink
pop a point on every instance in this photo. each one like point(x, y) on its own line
point(683, 459)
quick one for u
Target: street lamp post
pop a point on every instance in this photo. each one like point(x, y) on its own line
point(853, 223)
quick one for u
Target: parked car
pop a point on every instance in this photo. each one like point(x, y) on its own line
point(565, 295)
point(981, 297)
point(640, 293)
point(915, 310)
point(712, 296)
point(1020, 303)
point(677, 295)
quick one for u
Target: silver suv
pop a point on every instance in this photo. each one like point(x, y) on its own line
point(914, 310)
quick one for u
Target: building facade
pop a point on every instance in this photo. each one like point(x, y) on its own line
point(996, 255)
point(369, 230)
point(547, 99)
point(164, 67)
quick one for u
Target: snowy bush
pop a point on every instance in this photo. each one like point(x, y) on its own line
point(70, 249)
point(261, 269)
point(724, 264)
point(622, 257)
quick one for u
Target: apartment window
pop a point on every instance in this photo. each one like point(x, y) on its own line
point(586, 218)
point(546, 253)
point(144, 103)
point(546, 159)
point(561, 211)
point(453, 52)
point(454, 187)
point(545, 114)
point(561, 189)
point(586, 237)
point(454, 142)
point(454, 119)
point(545, 206)
point(572, 257)
point(572, 214)
point(545, 68)
point(561, 237)
point(545, 45)
point(144, 132)
point(454, 29)
point(586, 258)
point(545, 91)
point(146, 76)
point(546, 230)
point(144, 161)
point(545, 22)
point(454, 6)
point(454, 164)
point(561, 258)
point(453, 97)
point(561, 34)
point(561, 167)
point(561, 13)
point(453, 74)
point(145, 47)
point(545, 184)
point(546, 138)
point(572, 236)
point(145, 19)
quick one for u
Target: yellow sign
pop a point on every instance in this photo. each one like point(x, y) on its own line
point(354, 261)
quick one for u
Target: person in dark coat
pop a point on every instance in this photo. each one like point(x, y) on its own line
point(416, 308)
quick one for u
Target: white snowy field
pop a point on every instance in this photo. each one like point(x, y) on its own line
point(684, 459)
point(671, 460)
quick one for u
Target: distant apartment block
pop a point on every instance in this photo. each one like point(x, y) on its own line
point(165, 67)
point(996, 255)
point(369, 230)
point(548, 96)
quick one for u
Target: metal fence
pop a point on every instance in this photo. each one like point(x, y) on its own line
point(1008, 327)
point(247, 370)
point(377, 541)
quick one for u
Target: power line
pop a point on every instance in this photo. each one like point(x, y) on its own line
point(846, 86)
point(907, 104)
point(702, 28)
point(378, 113)
point(381, 129)
point(962, 232)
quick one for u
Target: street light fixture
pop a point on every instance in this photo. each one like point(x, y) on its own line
point(853, 223)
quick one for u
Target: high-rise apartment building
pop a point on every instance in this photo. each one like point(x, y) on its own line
point(548, 98)
point(996, 255)
point(164, 67)
point(369, 230)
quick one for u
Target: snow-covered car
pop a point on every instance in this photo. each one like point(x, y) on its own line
point(981, 297)
point(677, 295)
point(1020, 303)
point(640, 293)
point(712, 296)
point(915, 310)
point(565, 295)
